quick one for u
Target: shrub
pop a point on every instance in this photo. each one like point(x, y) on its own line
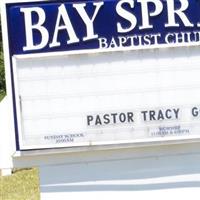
point(2, 75)
point(2, 70)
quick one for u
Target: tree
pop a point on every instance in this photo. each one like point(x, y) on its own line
point(2, 70)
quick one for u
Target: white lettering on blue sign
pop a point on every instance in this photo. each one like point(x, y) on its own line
point(62, 15)
point(106, 24)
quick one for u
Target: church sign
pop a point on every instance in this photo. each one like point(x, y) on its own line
point(92, 73)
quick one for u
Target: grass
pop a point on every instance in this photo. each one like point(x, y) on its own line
point(22, 185)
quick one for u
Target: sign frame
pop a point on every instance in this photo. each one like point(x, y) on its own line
point(12, 93)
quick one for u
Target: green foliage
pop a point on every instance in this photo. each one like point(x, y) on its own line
point(2, 74)
point(0, 31)
point(2, 94)
point(2, 70)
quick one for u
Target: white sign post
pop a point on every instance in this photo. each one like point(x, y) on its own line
point(5, 134)
point(105, 96)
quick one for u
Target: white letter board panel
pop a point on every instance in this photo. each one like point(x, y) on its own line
point(107, 98)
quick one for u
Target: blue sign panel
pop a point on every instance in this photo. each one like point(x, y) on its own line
point(39, 27)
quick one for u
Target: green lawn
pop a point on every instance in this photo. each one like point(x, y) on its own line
point(22, 185)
